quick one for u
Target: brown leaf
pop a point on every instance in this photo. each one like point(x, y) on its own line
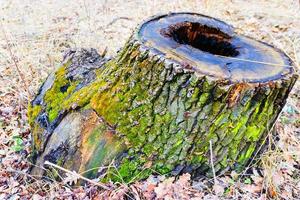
point(272, 192)
point(218, 189)
point(252, 188)
point(184, 179)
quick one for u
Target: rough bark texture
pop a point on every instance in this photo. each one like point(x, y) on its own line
point(142, 113)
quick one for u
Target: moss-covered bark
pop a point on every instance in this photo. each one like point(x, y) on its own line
point(161, 116)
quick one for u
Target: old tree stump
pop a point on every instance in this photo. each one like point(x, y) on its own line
point(184, 86)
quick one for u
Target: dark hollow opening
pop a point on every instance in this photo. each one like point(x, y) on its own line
point(202, 37)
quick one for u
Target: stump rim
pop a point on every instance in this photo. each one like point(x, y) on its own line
point(288, 71)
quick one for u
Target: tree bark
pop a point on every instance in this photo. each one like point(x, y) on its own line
point(181, 82)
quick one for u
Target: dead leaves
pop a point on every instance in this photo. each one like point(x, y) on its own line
point(251, 20)
point(218, 188)
point(159, 187)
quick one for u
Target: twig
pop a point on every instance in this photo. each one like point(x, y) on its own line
point(212, 162)
point(21, 172)
point(104, 52)
point(117, 19)
point(77, 175)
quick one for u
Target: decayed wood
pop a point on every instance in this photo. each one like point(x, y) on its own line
point(182, 83)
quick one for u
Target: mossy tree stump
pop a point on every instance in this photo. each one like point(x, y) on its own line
point(181, 82)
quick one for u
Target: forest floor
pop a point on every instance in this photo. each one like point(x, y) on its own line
point(33, 35)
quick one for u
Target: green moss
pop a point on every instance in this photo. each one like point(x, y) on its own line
point(60, 161)
point(33, 112)
point(37, 137)
point(250, 151)
point(253, 132)
point(60, 90)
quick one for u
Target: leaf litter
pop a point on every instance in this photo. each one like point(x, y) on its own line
point(37, 33)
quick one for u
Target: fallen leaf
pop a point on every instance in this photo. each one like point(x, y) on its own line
point(218, 189)
point(252, 188)
point(272, 192)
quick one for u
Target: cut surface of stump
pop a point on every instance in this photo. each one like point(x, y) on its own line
point(183, 81)
point(211, 47)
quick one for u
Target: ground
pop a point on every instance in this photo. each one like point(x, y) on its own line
point(33, 35)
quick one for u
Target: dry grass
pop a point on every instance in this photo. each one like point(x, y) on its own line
point(33, 35)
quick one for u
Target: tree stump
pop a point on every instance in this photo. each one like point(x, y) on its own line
point(184, 87)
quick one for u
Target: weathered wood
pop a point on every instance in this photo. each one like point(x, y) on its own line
point(181, 81)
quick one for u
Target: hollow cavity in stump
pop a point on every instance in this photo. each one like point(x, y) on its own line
point(181, 82)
